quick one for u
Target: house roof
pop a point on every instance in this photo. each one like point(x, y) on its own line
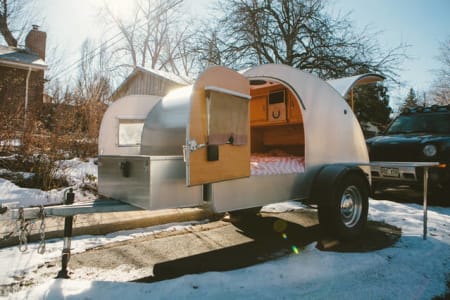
point(157, 73)
point(20, 58)
point(166, 75)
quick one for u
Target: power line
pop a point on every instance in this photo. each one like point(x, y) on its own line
point(73, 66)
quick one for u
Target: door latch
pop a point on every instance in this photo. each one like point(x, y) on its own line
point(193, 146)
point(190, 147)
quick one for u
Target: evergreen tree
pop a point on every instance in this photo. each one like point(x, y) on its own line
point(411, 100)
point(371, 104)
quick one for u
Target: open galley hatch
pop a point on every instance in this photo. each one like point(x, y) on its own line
point(277, 132)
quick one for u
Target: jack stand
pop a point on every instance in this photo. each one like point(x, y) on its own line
point(68, 222)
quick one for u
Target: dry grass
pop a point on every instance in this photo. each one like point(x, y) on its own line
point(55, 132)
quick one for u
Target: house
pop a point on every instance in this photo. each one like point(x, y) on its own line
point(144, 81)
point(22, 74)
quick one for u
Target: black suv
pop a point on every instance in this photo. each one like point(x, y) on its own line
point(416, 135)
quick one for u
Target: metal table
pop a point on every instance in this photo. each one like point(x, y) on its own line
point(425, 166)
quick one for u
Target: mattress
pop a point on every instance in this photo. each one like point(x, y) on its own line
point(276, 163)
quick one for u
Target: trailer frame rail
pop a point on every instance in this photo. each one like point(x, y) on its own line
point(65, 210)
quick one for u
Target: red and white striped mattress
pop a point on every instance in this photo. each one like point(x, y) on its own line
point(273, 164)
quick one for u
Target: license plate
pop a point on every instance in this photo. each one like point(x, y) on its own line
point(390, 172)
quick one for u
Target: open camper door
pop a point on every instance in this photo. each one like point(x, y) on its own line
point(218, 134)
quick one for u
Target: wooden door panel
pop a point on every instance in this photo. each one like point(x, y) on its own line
point(233, 160)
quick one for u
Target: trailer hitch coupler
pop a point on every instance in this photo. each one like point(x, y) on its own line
point(68, 223)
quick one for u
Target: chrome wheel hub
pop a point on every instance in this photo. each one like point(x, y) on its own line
point(351, 206)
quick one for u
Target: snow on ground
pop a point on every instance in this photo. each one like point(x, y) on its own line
point(26, 262)
point(412, 268)
point(78, 173)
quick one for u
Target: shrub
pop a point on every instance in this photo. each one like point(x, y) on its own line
point(53, 132)
point(42, 168)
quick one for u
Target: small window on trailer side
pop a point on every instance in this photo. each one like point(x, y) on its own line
point(130, 132)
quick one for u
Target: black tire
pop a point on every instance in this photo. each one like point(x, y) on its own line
point(343, 209)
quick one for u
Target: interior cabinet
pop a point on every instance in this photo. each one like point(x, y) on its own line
point(264, 113)
point(294, 114)
point(258, 109)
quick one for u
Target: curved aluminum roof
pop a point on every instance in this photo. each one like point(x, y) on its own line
point(344, 85)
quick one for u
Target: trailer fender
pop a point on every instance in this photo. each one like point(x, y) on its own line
point(342, 195)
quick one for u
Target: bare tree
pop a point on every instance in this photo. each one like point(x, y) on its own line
point(93, 84)
point(155, 37)
point(441, 86)
point(210, 49)
point(15, 17)
point(74, 117)
point(298, 33)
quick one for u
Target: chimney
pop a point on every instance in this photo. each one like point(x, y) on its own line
point(35, 41)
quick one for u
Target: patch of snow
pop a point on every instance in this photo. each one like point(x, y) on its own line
point(11, 142)
point(26, 197)
point(78, 172)
point(282, 207)
point(25, 175)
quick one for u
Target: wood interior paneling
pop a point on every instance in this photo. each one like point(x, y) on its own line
point(289, 138)
point(284, 135)
point(257, 136)
point(294, 113)
point(259, 106)
point(287, 135)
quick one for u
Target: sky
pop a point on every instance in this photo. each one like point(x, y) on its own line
point(412, 268)
point(419, 23)
point(423, 25)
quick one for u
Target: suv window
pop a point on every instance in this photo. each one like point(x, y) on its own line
point(421, 123)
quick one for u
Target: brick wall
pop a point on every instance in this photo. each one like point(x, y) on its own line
point(12, 89)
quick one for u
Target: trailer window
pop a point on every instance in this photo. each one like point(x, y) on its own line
point(227, 118)
point(130, 132)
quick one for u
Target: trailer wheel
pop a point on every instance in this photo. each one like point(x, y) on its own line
point(344, 205)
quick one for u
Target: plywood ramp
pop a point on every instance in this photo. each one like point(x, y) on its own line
point(234, 160)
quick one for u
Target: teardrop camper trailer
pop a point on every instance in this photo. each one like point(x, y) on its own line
point(234, 141)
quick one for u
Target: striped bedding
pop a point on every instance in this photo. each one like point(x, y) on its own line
point(276, 163)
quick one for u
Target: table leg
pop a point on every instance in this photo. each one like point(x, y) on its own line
point(425, 204)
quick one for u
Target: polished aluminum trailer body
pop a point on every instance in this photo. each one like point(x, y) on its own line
point(158, 176)
point(152, 182)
